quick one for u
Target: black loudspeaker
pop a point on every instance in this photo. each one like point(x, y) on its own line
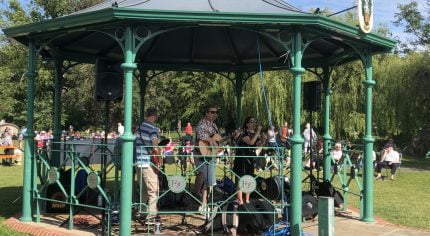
point(324, 189)
point(250, 223)
point(309, 206)
point(312, 96)
point(266, 207)
point(338, 199)
point(54, 192)
point(109, 80)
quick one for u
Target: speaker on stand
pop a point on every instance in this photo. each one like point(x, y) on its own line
point(108, 88)
point(312, 96)
point(311, 102)
point(109, 80)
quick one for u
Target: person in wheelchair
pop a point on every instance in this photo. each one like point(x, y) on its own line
point(389, 158)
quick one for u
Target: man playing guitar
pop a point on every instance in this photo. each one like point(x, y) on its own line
point(205, 131)
point(147, 161)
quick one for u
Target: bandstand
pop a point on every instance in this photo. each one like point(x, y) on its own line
point(219, 36)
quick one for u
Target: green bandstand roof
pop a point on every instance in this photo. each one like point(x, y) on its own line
point(215, 35)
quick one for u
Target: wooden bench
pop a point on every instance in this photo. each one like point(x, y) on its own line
point(4, 147)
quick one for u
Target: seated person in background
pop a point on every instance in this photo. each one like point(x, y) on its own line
point(337, 153)
point(389, 158)
point(7, 141)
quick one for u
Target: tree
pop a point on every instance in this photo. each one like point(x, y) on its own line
point(48, 9)
point(410, 17)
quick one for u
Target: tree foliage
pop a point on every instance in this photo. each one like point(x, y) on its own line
point(414, 23)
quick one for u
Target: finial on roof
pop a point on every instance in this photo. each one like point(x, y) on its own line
point(115, 4)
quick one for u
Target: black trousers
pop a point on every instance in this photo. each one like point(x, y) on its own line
point(386, 164)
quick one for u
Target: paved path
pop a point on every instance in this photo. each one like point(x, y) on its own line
point(348, 225)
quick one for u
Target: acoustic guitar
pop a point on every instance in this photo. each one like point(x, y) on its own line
point(207, 150)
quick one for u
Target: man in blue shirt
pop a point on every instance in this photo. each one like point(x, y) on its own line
point(147, 138)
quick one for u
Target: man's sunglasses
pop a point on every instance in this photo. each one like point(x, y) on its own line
point(212, 112)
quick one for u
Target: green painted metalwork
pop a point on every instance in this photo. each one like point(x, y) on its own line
point(326, 121)
point(45, 170)
point(272, 20)
point(71, 199)
point(36, 212)
point(29, 136)
point(296, 140)
point(345, 177)
point(57, 111)
point(239, 88)
point(127, 138)
point(368, 145)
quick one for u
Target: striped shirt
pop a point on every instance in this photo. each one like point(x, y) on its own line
point(146, 132)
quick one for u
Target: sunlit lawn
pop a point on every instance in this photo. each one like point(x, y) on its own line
point(405, 200)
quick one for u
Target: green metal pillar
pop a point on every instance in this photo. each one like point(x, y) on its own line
point(29, 136)
point(326, 136)
point(127, 138)
point(296, 140)
point(368, 140)
point(55, 155)
point(239, 89)
point(143, 84)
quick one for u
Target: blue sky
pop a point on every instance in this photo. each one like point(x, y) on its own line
point(384, 10)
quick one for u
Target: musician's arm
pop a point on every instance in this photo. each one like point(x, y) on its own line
point(156, 150)
point(155, 142)
point(251, 141)
point(211, 141)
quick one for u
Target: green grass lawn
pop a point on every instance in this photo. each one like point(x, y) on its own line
point(10, 190)
point(403, 201)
